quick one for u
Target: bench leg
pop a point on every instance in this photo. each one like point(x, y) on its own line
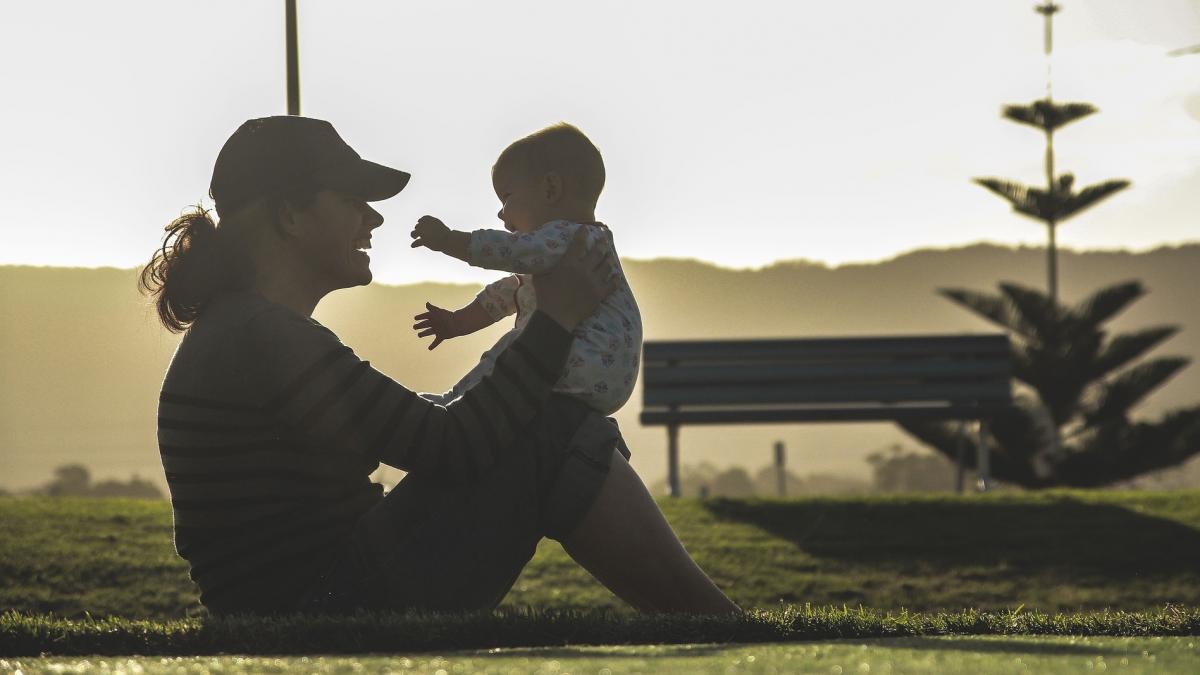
point(984, 459)
point(960, 456)
point(673, 459)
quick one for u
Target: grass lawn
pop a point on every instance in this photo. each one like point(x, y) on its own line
point(985, 654)
point(1059, 581)
point(1059, 551)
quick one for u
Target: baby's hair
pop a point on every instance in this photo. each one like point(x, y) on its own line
point(561, 148)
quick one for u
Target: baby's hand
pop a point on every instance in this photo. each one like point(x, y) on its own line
point(437, 322)
point(432, 234)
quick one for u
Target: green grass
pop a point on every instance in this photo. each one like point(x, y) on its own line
point(91, 577)
point(22, 635)
point(1061, 551)
point(982, 655)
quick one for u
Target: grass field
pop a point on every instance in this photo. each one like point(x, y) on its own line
point(982, 655)
point(1053, 552)
point(1025, 569)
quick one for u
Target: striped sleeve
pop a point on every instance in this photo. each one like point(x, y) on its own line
point(319, 388)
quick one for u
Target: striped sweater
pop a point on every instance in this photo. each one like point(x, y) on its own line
point(269, 427)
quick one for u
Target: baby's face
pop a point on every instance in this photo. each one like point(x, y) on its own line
point(521, 209)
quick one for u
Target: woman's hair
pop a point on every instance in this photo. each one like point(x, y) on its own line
point(200, 260)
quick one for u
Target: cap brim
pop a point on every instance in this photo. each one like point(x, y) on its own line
point(368, 180)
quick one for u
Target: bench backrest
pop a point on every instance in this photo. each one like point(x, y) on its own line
point(852, 378)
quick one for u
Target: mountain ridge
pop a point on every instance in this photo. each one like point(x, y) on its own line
point(81, 356)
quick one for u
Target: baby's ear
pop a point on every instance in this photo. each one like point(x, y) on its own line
point(552, 187)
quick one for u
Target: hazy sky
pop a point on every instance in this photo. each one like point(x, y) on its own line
point(739, 133)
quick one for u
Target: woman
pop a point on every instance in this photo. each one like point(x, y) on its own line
point(269, 426)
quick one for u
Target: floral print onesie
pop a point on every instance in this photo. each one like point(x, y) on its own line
point(603, 362)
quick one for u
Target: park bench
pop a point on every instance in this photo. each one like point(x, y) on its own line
point(847, 379)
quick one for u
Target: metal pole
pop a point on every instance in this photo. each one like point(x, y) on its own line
point(673, 459)
point(292, 58)
point(960, 456)
point(984, 459)
point(780, 474)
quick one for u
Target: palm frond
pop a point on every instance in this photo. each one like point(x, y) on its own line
point(1029, 201)
point(1048, 115)
point(1025, 363)
point(1035, 309)
point(1072, 204)
point(1015, 438)
point(1129, 346)
point(943, 437)
point(1015, 193)
point(1126, 390)
point(994, 308)
point(1120, 452)
point(1107, 303)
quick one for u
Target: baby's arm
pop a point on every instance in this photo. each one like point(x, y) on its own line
point(434, 235)
point(444, 324)
point(529, 253)
point(496, 301)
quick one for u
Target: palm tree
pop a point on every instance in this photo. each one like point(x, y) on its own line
point(1071, 422)
point(1058, 201)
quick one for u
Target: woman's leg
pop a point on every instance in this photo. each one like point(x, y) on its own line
point(627, 544)
point(439, 547)
point(434, 547)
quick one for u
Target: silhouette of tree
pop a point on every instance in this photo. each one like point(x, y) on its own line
point(733, 482)
point(70, 480)
point(1070, 425)
point(1059, 200)
point(1071, 421)
point(898, 470)
point(74, 480)
point(766, 483)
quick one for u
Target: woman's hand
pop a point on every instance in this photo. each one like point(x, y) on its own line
point(572, 291)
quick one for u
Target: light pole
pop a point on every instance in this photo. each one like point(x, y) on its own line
point(1048, 10)
point(292, 58)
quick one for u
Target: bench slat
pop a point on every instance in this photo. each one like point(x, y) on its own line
point(824, 393)
point(771, 415)
point(791, 350)
point(922, 370)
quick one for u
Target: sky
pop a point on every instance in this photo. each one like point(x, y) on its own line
point(737, 133)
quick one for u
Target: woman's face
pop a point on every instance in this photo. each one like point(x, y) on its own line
point(334, 233)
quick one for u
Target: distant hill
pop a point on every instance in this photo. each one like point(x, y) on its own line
point(82, 358)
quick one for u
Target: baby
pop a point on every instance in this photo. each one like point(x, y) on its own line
point(548, 184)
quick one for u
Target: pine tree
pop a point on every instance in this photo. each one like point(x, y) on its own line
point(1070, 424)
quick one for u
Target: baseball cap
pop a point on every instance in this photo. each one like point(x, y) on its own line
point(270, 154)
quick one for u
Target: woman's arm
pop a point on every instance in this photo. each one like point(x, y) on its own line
point(335, 401)
point(322, 391)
